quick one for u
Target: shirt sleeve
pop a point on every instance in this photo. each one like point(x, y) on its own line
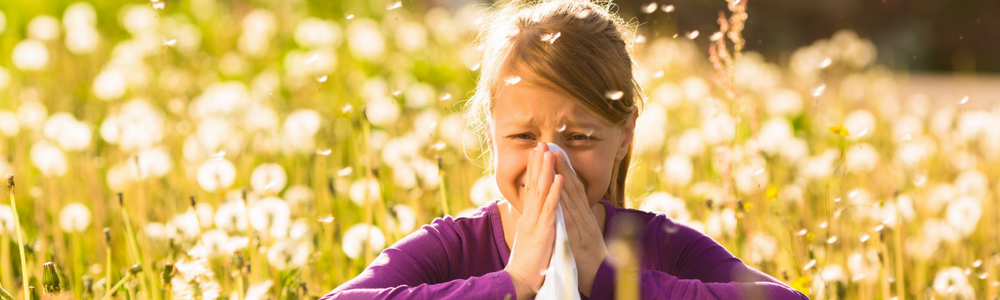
point(702, 269)
point(417, 267)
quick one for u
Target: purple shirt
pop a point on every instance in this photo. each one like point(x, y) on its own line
point(463, 258)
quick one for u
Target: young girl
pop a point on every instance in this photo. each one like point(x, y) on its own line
point(557, 72)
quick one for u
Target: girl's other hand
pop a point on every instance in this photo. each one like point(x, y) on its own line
point(535, 237)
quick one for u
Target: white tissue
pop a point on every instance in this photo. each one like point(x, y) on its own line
point(560, 278)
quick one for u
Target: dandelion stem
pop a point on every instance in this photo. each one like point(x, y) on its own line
point(133, 244)
point(20, 236)
point(111, 291)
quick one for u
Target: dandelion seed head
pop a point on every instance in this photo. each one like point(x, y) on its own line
point(650, 8)
point(359, 237)
point(74, 218)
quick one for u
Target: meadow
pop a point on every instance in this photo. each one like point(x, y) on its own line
point(266, 149)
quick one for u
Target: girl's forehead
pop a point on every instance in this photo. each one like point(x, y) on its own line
point(532, 106)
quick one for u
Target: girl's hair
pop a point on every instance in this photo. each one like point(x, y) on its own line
point(576, 47)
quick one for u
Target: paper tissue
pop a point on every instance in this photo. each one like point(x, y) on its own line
point(560, 278)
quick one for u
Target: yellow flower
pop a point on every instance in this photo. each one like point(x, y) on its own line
point(772, 192)
point(802, 284)
point(839, 129)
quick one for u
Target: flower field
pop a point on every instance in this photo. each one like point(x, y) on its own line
point(266, 149)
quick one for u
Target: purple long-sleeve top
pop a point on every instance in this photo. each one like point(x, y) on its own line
point(464, 258)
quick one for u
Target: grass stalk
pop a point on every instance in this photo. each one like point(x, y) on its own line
point(20, 236)
point(133, 245)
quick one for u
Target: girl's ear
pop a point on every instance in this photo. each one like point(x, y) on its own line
point(627, 133)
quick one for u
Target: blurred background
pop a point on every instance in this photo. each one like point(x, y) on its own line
point(272, 148)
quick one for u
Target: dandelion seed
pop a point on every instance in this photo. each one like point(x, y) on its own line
point(920, 181)
point(835, 200)
point(322, 79)
point(693, 34)
point(826, 63)
point(324, 152)
point(158, 5)
point(438, 146)
point(397, 93)
point(865, 237)
point(347, 108)
point(350, 17)
point(977, 263)
point(445, 97)
point(651, 8)
point(831, 240)
point(668, 8)
point(862, 133)
point(823, 225)
point(551, 37)
point(964, 99)
point(640, 39)
point(658, 74)
point(396, 5)
point(907, 137)
point(328, 219)
point(475, 67)
point(614, 95)
point(311, 59)
point(583, 14)
point(169, 43)
point(803, 232)
point(675, 35)
point(761, 171)
point(879, 227)
point(513, 80)
point(715, 36)
point(344, 172)
point(218, 156)
point(983, 275)
point(819, 90)
point(852, 194)
point(812, 263)
point(561, 128)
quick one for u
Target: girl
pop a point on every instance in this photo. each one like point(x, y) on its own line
point(557, 72)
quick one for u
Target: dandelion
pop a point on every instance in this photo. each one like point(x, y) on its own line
point(650, 8)
point(30, 55)
point(215, 175)
point(662, 202)
point(693, 34)
point(74, 217)
point(49, 159)
point(268, 177)
point(231, 216)
point(270, 215)
point(678, 170)
point(963, 215)
point(6, 220)
point(50, 279)
point(362, 237)
point(819, 90)
point(953, 283)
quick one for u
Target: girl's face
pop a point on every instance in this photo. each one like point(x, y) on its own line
point(525, 114)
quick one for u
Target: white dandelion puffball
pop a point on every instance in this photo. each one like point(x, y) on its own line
point(30, 55)
point(220, 99)
point(773, 135)
point(365, 39)
point(358, 238)
point(484, 190)
point(419, 95)
point(231, 216)
point(363, 189)
point(79, 14)
point(689, 143)
point(952, 281)
point(287, 254)
point(651, 126)
point(6, 220)
point(82, 40)
point(65, 130)
point(216, 174)
point(260, 22)
point(411, 37)
point(662, 202)
point(8, 123)
point(214, 241)
point(299, 195)
point(404, 218)
point(678, 170)
point(44, 28)
point(74, 217)
point(270, 215)
point(302, 124)
point(764, 247)
point(315, 32)
point(110, 84)
point(268, 177)
point(860, 122)
point(49, 159)
point(382, 112)
point(695, 89)
point(963, 214)
point(718, 127)
point(185, 224)
point(862, 157)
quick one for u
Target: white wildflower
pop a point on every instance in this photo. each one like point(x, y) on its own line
point(360, 237)
point(678, 170)
point(364, 189)
point(49, 160)
point(288, 254)
point(270, 216)
point(216, 174)
point(662, 202)
point(231, 216)
point(963, 215)
point(74, 217)
point(268, 178)
point(484, 190)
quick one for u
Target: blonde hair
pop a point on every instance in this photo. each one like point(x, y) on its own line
point(577, 47)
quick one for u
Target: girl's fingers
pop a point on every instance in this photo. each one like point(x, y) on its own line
point(552, 200)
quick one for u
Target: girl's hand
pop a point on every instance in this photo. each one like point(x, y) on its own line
point(584, 232)
point(535, 237)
